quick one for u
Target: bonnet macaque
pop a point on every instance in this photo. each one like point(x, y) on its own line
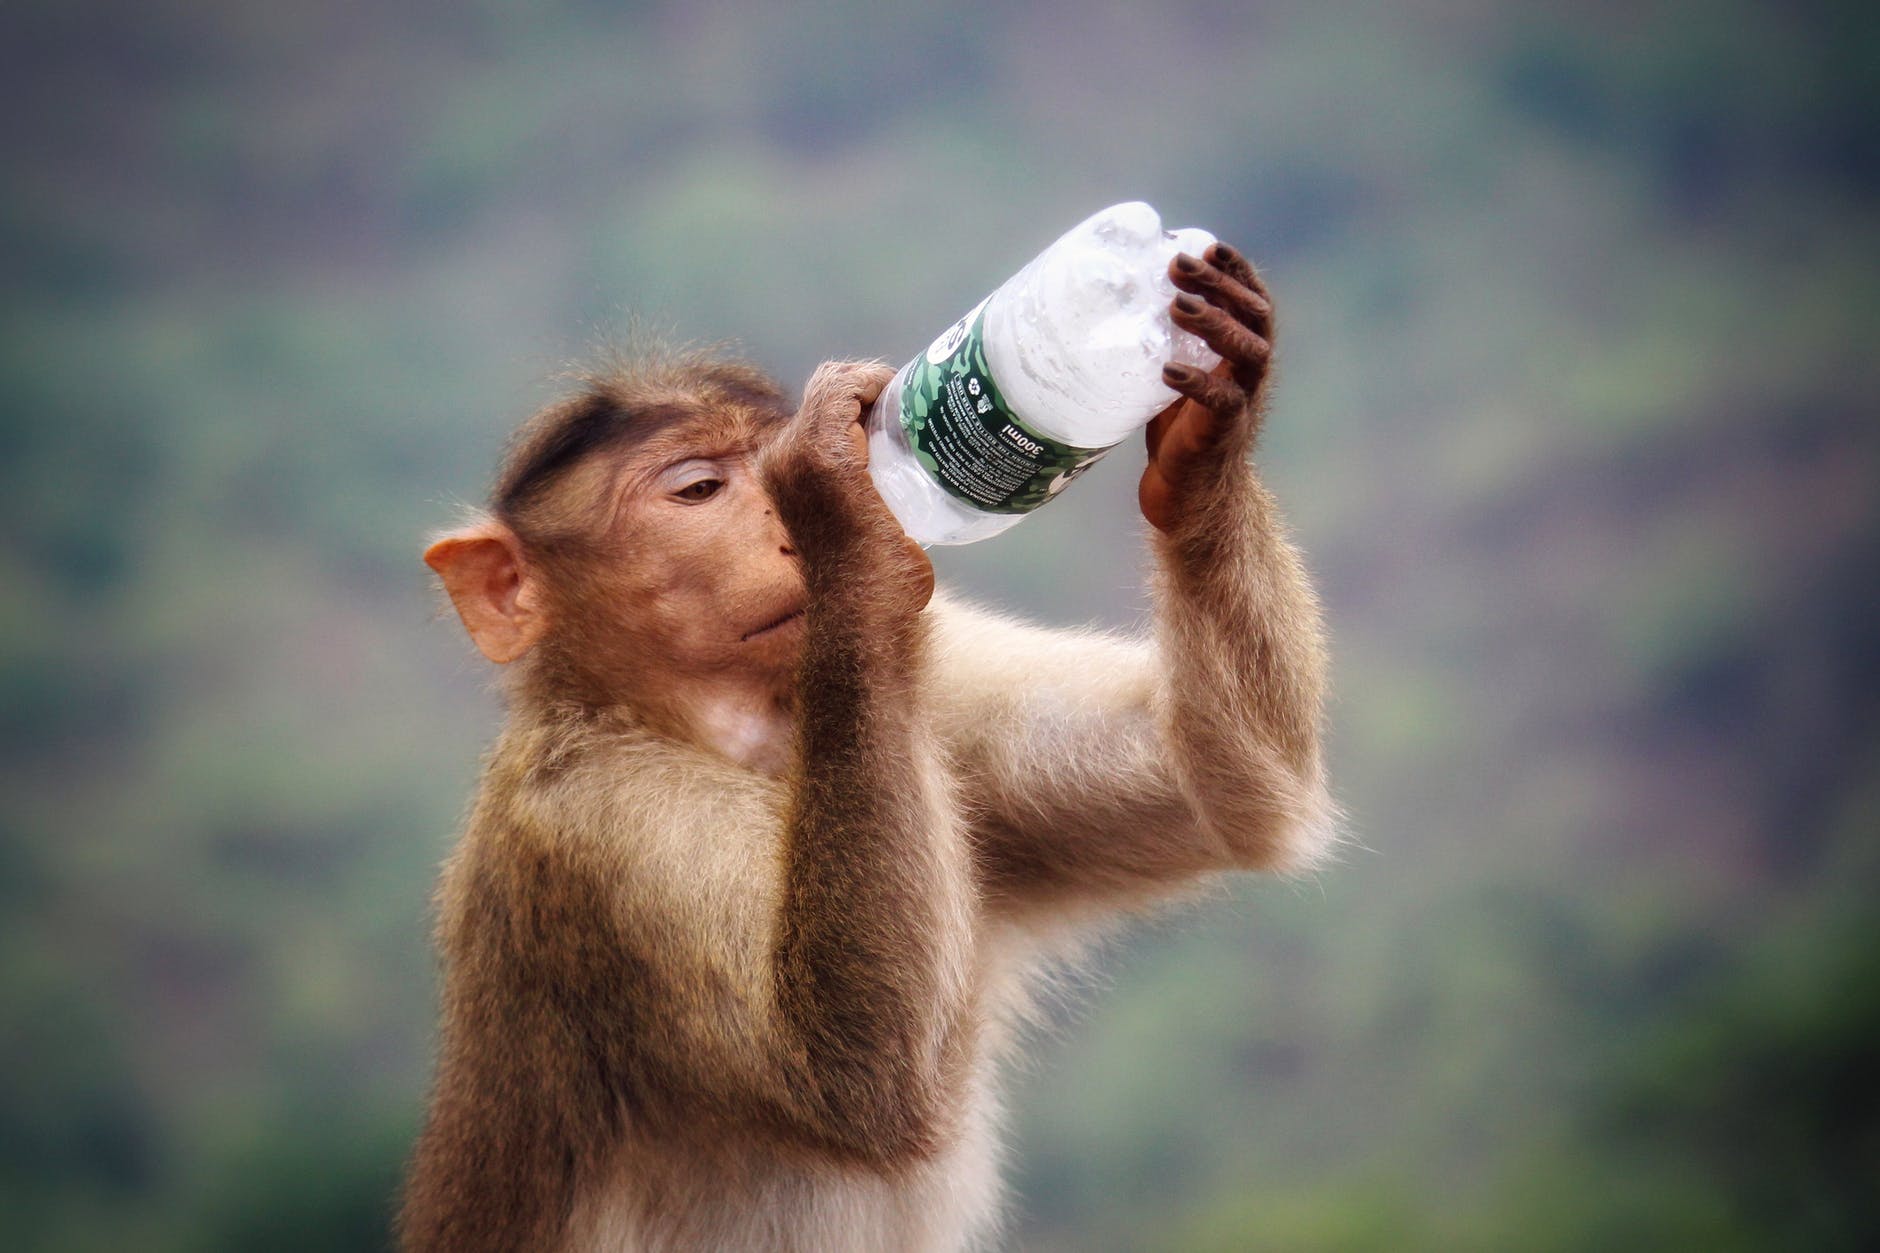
point(773, 836)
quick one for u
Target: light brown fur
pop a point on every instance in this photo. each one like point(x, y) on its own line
point(691, 1003)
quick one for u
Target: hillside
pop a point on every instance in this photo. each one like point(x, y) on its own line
point(1576, 422)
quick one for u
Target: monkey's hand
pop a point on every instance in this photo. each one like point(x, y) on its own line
point(818, 473)
point(1196, 442)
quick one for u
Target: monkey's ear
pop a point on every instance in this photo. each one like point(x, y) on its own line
point(494, 592)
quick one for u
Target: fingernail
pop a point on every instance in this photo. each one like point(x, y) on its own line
point(1174, 373)
point(1187, 264)
point(1222, 252)
point(1188, 304)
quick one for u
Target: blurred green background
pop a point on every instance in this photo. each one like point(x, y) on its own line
point(1575, 419)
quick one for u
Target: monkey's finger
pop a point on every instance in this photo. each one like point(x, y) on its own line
point(840, 391)
point(1224, 258)
point(1248, 307)
point(1220, 395)
point(874, 380)
point(1245, 352)
point(858, 442)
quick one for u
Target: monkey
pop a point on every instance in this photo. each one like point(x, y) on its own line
point(776, 836)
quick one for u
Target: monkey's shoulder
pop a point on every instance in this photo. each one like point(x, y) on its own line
point(637, 813)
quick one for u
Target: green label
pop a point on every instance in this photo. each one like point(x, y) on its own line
point(967, 437)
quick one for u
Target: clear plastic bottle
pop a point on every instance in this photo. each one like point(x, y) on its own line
point(1059, 365)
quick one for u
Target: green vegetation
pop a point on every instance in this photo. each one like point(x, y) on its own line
point(1576, 421)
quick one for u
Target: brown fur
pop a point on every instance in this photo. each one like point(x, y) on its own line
point(689, 1004)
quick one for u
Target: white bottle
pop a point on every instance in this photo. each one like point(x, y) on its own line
point(1060, 364)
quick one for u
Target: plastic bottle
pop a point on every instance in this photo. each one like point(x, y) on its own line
point(1029, 389)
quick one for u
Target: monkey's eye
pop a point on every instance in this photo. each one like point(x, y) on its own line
point(700, 489)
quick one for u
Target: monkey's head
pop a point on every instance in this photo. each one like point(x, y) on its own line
point(630, 540)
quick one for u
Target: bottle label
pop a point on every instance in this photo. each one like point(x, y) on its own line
point(968, 438)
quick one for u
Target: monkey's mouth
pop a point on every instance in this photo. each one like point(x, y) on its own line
point(777, 624)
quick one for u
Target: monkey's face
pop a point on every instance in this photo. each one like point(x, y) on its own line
point(660, 561)
point(695, 573)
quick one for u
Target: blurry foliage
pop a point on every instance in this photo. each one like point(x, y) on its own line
point(1575, 422)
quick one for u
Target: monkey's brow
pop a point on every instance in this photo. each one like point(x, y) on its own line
point(705, 438)
point(661, 452)
point(593, 424)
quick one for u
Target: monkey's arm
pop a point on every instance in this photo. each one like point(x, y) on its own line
point(1107, 769)
point(873, 937)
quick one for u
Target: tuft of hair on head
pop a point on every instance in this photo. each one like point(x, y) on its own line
point(626, 390)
